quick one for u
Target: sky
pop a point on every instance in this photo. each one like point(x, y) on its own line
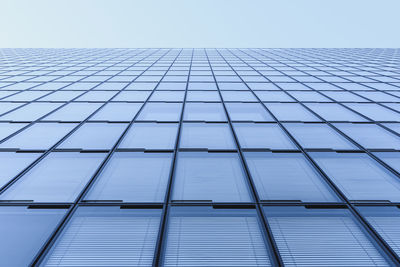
point(199, 23)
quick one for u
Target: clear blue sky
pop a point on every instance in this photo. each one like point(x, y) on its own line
point(199, 23)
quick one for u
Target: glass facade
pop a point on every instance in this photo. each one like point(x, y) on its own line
point(200, 157)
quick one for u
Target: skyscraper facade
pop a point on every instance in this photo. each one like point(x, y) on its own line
point(200, 157)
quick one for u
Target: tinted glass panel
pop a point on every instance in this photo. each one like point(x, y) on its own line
point(160, 112)
point(217, 177)
point(375, 112)
point(334, 112)
point(318, 237)
point(133, 177)
point(117, 112)
point(203, 135)
point(13, 163)
point(318, 136)
point(209, 237)
point(151, 136)
point(248, 112)
point(7, 129)
point(291, 112)
point(30, 112)
point(73, 112)
point(287, 176)
point(370, 135)
point(24, 231)
point(39, 136)
point(107, 236)
point(204, 112)
point(359, 177)
point(262, 136)
point(390, 158)
point(94, 136)
point(386, 221)
point(59, 177)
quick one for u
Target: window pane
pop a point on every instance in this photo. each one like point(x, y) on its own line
point(217, 177)
point(133, 177)
point(375, 112)
point(151, 136)
point(334, 112)
point(117, 112)
point(270, 136)
point(61, 96)
point(318, 136)
point(242, 96)
point(73, 112)
point(6, 129)
point(6, 107)
point(287, 176)
point(204, 112)
point(160, 112)
point(167, 96)
point(248, 112)
point(344, 96)
point(96, 96)
point(59, 177)
point(322, 237)
point(24, 231)
point(370, 136)
point(207, 135)
point(132, 96)
point(94, 136)
point(209, 237)
point(271, 96)
point(39, 136)
point(13, 163)
point(107, 236)
point(206, 96)
point(308, 96)
point(291, 112)
point(390, 158)
point(386, 221)
point(30, 112)
point(359, 177)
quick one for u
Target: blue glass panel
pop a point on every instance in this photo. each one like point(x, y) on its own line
point(248, 112)
point(6, 107)
point(375, 111)
point(291, 112)
point(117, 112)
point(287, 176)
point(133, 177)
point(270, 136)
point(308, 96)
point(24, 231)
point(390, 158)
point(318, 136)
point(207, 135)
point(30, 112)
point(344, 96)
point(370, 135)
point(132, 96)
point(217, 177)
point(240, 96)
point(386, 221)
point(271, 96)
point(205, 96)
point(13, 163)
point(39, 136)
point(151, 136)
point(322, 237)
point(167, 96)
point(94, 136)
point(359, 177)
point(204, 112)
point(160, 112)
point(215, 237)
point(61, 96)
point(334, 112)
point(107, 236)
point(73, 112)
point(59, 177)
point(6, 129)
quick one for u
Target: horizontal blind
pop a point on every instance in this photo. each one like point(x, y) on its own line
point(215, 241)
point(323, 241)
point(106, 241)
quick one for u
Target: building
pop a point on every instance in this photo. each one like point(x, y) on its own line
point(204, 157)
